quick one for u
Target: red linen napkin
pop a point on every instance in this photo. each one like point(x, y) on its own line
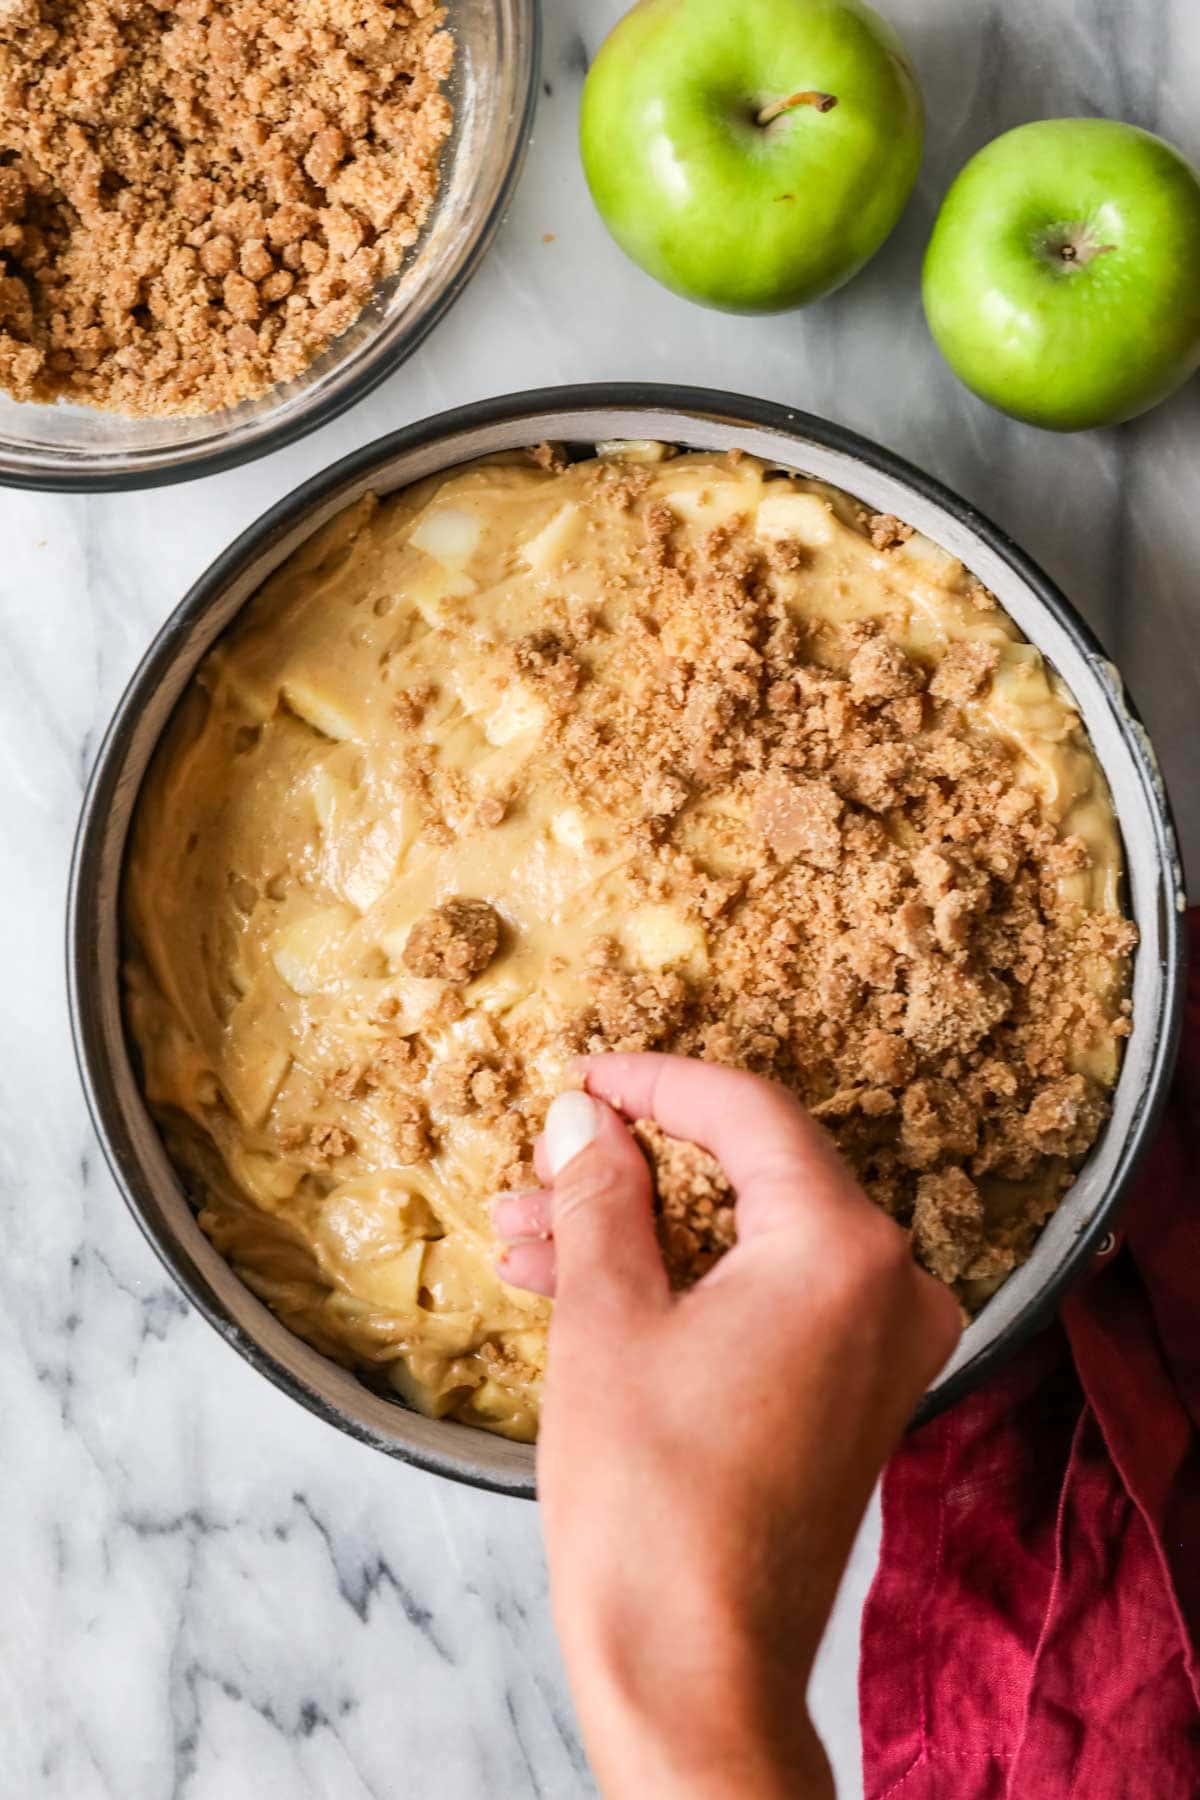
point(1033, 1632)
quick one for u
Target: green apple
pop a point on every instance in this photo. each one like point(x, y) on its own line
point(751, 154)
point(1062, 280)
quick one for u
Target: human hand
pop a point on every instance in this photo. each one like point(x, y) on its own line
point(705, 1458)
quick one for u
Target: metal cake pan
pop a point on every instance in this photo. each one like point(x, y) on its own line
point(693, 418)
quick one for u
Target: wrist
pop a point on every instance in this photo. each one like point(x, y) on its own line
point(720, 1739)
point(673, 1761)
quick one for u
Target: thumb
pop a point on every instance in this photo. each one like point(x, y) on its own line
point(603, 1219)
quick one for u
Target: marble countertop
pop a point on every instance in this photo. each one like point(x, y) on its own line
point(209, 1593)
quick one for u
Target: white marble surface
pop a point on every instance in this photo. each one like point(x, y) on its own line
point(207, 1593)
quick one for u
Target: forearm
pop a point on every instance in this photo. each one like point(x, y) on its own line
point(679, 1756)
point(731, 1735)
point(705, 1459)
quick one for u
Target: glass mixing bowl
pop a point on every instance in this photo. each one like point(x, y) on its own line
point(493, 90)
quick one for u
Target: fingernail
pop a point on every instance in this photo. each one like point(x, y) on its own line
point(570, 1127)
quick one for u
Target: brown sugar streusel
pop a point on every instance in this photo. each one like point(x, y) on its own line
point(454, 942)
point(196, 199)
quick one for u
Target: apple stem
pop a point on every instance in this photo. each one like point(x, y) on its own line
point(809, 97)
point(1084, 253)
point(1073, 246)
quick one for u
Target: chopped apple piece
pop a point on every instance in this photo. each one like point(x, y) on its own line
point(447, 533)
point(372, 1233)
point(367, 876)
point(518, 713)
point(801, 517)
point(454, 1280)
point(937, 565)
point(420, 1395)
point(393, 1281)
point(477, 689)
point(658, 936)
point(501, 987)
point(712, 502)
point(330, 796)
point(574, 829)
point(255, 1059)
point(645, 450)
point(548, 546)
point(428, 593)
point(306, 952)
point(329, 713)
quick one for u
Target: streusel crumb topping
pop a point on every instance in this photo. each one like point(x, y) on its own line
point(196, 198)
